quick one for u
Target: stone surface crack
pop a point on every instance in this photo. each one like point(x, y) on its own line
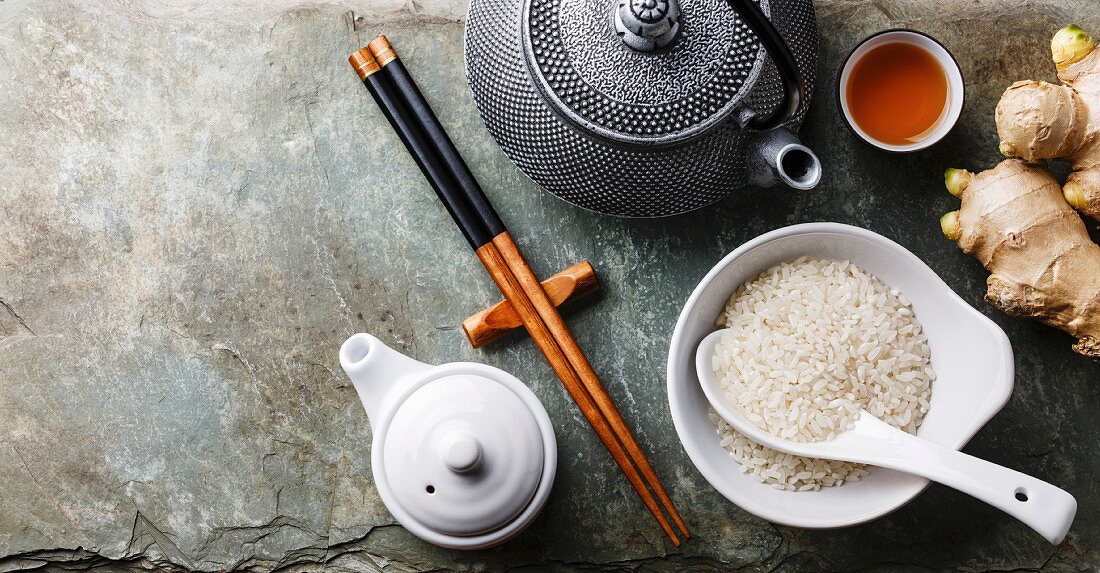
point(236, 354)
point(143, 527)
point(18, 318)
point(326, 269)
point(26, 468)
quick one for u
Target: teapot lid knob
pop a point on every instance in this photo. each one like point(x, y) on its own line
point(461, 452)
point(646, 25)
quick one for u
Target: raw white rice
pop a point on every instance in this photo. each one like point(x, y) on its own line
point(812, 342)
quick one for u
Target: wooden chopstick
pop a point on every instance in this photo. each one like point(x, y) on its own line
point(509, 285)
point(558, 329)
point(424, 137)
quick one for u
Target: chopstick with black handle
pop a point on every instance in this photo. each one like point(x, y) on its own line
point(445, 186)
point(393, 70)
point(435, 171)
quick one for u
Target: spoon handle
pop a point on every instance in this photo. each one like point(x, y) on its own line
point(1043, 507)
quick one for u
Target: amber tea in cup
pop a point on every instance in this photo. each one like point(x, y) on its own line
point(900, 90)
point(897, 92)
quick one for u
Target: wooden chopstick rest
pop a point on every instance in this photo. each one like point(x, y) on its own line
point(492, 323)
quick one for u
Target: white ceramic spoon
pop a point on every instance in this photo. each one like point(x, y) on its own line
point(1045, 508)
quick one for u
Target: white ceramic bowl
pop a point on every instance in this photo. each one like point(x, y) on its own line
point(970, 354)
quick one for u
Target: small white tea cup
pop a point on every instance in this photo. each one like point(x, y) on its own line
point(950, 67)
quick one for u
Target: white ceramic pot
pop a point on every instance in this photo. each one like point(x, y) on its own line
point(970, 354)
point(463, 455)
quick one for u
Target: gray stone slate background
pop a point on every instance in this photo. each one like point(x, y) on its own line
point(199, 203)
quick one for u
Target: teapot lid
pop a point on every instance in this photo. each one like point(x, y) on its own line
point(641, 71)
point(465, 452)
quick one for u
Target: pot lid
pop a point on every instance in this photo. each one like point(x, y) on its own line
point(463, 455)
point(641, 71)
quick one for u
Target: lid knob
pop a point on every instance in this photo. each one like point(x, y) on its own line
point(646, 25)
point(461, 452)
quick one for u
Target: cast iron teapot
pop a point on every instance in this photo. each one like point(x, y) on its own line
point(646, 108)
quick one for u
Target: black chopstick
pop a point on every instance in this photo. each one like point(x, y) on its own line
point(416, 142)
point(394, 70)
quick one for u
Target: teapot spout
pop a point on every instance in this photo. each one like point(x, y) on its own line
point(776, 156)
point(377, 371)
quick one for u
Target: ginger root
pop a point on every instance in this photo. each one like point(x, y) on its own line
point(1038, 120)
point(1042, 262)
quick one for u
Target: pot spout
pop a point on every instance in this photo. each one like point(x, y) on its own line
point(776, 156)
point(377, 371)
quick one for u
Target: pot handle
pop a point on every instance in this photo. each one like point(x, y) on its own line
point(793, 88)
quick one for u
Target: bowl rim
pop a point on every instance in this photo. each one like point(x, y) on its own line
point(697, 454)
